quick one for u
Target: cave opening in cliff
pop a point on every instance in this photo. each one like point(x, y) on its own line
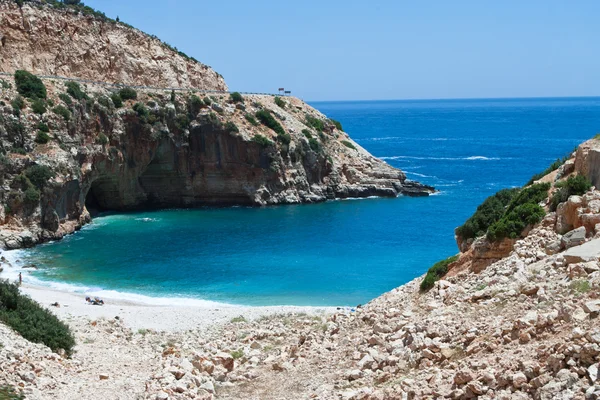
point(101, 196)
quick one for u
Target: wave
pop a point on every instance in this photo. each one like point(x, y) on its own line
point(421, 175)
point(377, 139)
point(470, 158)
point(146, 219)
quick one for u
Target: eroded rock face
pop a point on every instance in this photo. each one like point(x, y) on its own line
point(47, 41)
point(159, 153)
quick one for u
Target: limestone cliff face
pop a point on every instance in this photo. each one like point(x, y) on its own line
point(61, 42)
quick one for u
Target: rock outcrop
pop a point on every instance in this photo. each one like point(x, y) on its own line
point(63, 42)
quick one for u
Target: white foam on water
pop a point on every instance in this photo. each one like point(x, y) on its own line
point(470, 158)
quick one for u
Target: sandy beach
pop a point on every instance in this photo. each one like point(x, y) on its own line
point(159, 318)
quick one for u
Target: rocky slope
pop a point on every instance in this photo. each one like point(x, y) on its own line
point(84, 151)
point(524, 327)
point(62, 42)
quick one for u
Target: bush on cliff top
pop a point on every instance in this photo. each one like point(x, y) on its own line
point(267, 119)
point(32, 321)
point(30, 85)
point(74, 90)
point(262, 141)
point(436, 272)
point(39, 175)
point(488, 212)
point(522, 211)
point(573, 186)
point(128, 94)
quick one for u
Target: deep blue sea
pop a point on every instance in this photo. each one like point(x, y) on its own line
point(340, 252)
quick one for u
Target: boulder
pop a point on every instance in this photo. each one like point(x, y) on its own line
point(589, 251)
point(574, 237)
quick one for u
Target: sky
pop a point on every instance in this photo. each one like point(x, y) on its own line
point(383, 49)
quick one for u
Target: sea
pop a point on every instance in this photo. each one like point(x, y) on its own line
point(338, 253)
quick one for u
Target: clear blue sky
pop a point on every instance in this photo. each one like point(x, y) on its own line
point(384, 49)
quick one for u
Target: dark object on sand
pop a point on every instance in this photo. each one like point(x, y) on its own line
point(95, 301)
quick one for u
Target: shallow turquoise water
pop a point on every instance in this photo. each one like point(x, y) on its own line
point(336, 253)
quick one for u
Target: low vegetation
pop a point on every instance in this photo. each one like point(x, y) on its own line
point(32, 321)
point(279, 102)
point(10, 393)
point(553, 167)
point(74, 90)
point(250, 118)
point(62, 111)
point(436, 272)
point(39, 175)
point(337, 124)
point(42, 137)
point(348, 144)
point(488, 212)
point(66, 99)
point(102, 139)
point(314, 145)
point(315, 123)
point(29, 85)
point(38, 106)
point(236, 97)
point(117, 100)
point(574, 185)
point(231, 127)
point(267, 119)
point(128, 94)
point(262, 141)
point(522, 211)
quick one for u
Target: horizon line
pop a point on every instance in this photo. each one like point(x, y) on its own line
point(462, 98)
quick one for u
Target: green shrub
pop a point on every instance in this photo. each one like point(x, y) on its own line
point(284, 138)
point(102, 139)
point(74, 89)
point(18, 150)
point(173, 96)
point(250, 118)
point(574, 185)
point(62, 111)
point(39, 175)
point(314, 145)
point(307, 133)
point(195, 103)
point(488, 212)
point(316, 123)
point(348, 144)
point(9, 393)
point(231, 127)
point(30, 85)
point(236, 97)
point(32, 195)
point(337, 124)
point(43, 127)
point(117, 100)
point(18, 103)
point(104, 101)
point(38, 106)
point(261, 140)
point(436, 272)
point(128, 94)
point(42, 137)
point(5, 85)
point(265, 117)
point(32, 321)
point(141, 111)
point(66, 99)
point(522, 211)
point(182, 121)
point(279, 102)
point(207, 101)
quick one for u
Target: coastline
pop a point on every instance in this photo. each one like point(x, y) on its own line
point(172, 318)
point(139, 312)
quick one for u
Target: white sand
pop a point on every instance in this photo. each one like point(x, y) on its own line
point(156, 317)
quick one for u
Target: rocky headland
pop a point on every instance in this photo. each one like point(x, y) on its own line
point(85, 145)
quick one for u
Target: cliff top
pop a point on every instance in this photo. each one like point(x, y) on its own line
point(52, 38)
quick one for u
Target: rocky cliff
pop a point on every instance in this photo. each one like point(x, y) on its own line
point(47, 40)
point(77, 147)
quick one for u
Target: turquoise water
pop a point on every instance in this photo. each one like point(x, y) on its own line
point(341, 252)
